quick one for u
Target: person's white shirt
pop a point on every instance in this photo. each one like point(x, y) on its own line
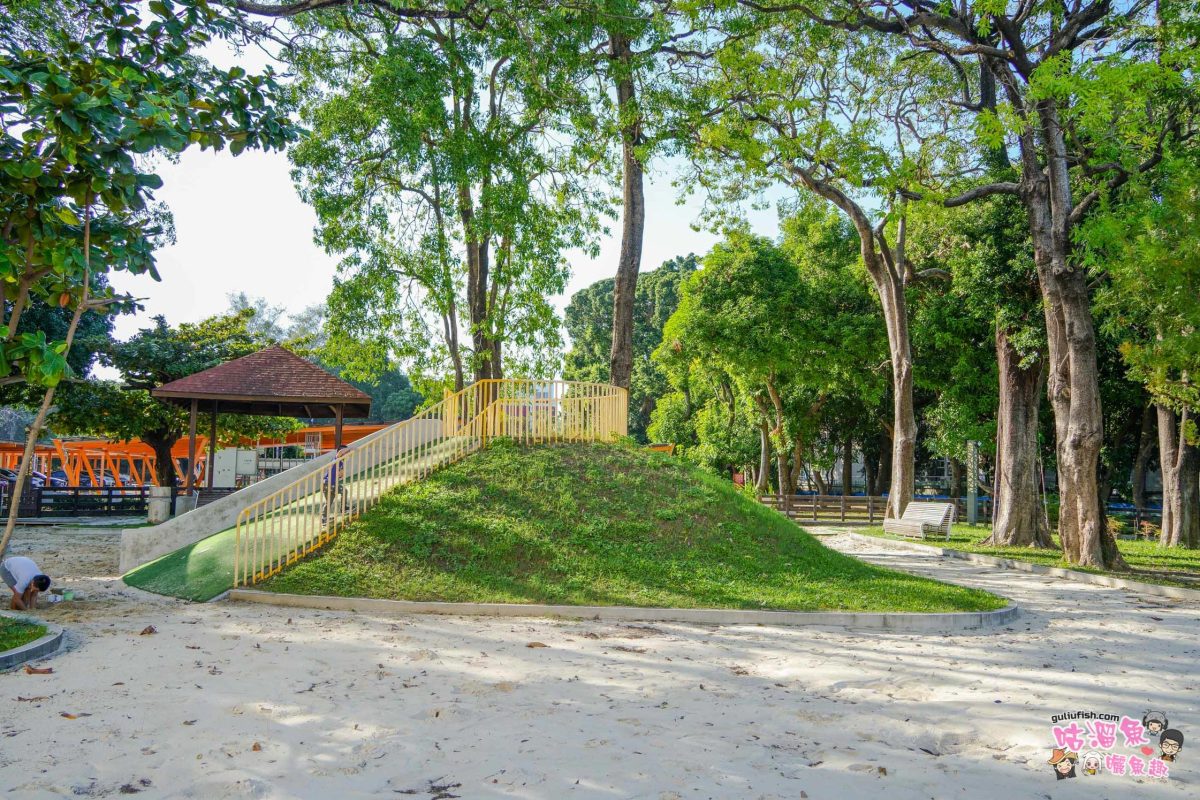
point(23, 569)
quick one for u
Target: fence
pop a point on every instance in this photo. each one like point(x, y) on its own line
point(854, 509)
point(307, 514)
point(77, 501)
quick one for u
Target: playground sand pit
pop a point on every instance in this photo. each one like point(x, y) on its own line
point(223, 700)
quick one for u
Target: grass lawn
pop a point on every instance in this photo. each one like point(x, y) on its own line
point(15, 632)
point(598, 525)
point(1171, 566)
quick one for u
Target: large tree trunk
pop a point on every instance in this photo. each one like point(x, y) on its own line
point(633, 219)
point(1141, 462)
point(904, 423)
point(164, 463)
point(1073, 380)
point(1180, 465)
point(1017, 518)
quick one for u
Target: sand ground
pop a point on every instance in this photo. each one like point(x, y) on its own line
point(248, 701)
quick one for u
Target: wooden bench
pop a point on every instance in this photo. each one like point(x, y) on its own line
point(922, 519)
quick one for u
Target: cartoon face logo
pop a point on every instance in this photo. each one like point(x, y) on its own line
point(1171, 742)
point(1155, 722)
point(1091, 763)
point(1064, 762)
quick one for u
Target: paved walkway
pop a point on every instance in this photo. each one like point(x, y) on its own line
point(239, 701)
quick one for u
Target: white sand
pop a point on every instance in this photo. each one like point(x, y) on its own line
point(353, 706)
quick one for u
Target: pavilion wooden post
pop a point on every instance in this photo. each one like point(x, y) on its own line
point(339, 411)
point(212, 447)
point(191, 473)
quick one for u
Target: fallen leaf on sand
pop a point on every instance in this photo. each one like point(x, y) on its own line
point(257, 747)
point(627, 649)
point(189, 722)
point(149, 629)
point(65, 715)
point(536, 644)
point(38, 670)
point(31, 699)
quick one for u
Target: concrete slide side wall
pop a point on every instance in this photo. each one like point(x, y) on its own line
point(141, 545)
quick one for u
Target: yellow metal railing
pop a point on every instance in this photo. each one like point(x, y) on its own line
point(303, 516)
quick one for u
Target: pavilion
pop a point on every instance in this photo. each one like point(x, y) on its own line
point(274, 382)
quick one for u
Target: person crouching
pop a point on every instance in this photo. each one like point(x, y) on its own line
point(25, 579)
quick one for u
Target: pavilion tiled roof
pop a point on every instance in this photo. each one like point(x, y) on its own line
point(274, 381)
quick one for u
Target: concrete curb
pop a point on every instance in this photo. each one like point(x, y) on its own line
point(1174, 592)
point(893, 622)
point(38, 648)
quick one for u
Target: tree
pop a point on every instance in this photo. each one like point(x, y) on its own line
point(152, 357)
point(786, 328)
point(838, 117)
point(265, 321)
point(588, 321)
point(435, 164)
point(1146, 252)
point(75, 114)
point(981, 337)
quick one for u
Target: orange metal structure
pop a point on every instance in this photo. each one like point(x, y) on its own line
point(11, 452)
point(307, 436)
point(135, 459)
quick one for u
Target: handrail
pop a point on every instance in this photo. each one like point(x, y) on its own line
point(308, 513)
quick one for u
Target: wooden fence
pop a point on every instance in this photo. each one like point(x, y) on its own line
point(852, 510)
point(78, 501)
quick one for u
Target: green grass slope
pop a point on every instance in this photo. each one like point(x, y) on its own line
point(598, 525)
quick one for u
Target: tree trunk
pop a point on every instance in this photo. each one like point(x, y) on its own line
point(35, 428)
point(888, 270)
point(904, 424)
point(164, 462)
point(1141, 462)
point(883, 470)
point(958, 473)
point(633, 219)
point(797, 465)
point(847, 466)
point(1180, 465)
point(819, 480)
point(1073, 380)
point(764, 457)
point(870, 469)
point(1017, 519)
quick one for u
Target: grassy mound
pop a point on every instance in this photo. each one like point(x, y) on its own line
point(598, 525)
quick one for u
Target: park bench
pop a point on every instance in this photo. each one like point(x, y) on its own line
point(922, 519)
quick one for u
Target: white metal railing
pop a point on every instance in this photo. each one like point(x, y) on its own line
point(307, 514)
